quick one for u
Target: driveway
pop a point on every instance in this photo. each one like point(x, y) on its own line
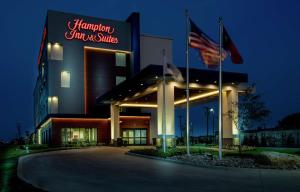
point(109, 169)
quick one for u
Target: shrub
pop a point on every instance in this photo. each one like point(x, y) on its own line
point(262, 159)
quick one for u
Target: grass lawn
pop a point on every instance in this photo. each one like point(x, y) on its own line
point(8, 169)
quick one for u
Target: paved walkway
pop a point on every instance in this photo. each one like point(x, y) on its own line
point(108, 169)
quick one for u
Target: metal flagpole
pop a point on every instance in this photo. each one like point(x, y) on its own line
point(220, 92)
point(164, 102)
point(187, 86)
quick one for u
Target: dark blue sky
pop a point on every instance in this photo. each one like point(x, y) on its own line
point(265, 31)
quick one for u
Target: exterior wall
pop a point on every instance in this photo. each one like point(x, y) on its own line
point(136, 122)
point(102, 125)
point(151, 50)
point(71, 100)
point(53, 127)
point(153, 123)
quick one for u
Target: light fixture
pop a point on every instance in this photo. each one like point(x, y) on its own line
point(142, 84)
point(197, 80)
point(156, 77)
point(215, 81)
point(200, 96)
point(138, 105)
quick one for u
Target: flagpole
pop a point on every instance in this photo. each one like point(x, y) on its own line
point(187, 86)
point(220, 92)
point(164, 102)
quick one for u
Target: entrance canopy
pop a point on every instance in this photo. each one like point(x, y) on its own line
point(141, 90)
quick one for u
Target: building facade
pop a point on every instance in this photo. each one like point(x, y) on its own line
point(100, 80)
point(81, 58)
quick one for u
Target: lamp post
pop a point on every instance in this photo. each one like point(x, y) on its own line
point(213, 123)
point(209, 110)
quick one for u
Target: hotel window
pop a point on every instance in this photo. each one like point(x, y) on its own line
point(65, 77)
point(43, 69)
point(135, 136)
point(120, 79)
point(52, 105)
point(55, 51)
point(121, 59)
point(79, 135)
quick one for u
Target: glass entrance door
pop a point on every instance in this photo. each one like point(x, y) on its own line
point(134, 136)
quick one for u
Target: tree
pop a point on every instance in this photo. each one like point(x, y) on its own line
point(251, 111)
point(291, 121)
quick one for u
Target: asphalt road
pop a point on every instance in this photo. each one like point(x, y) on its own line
point(109, 169)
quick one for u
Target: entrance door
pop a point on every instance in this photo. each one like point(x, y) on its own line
point(135, 136)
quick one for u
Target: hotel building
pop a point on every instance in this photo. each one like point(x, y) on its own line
point(101, 79)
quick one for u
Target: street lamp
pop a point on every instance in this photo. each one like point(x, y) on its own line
point(213, 123)
point(208, 111)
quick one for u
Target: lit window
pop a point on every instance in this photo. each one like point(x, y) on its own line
point(55, 51)
point(43, 69)
point(120, 79)
point(121, 59)
point(53, 104)
point(65, 79)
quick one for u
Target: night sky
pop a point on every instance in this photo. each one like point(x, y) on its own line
point(266, 33)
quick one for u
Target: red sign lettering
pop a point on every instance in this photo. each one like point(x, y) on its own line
point(81, 30)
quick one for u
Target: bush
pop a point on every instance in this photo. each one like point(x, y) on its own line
point(262, 159)
point(169, 153)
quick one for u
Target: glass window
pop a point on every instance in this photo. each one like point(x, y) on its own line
point(43, 69)
point(120, 79)
point(55, 51)
point(135, 136)
point(53, 104)
point(130, 133)
point(121, 59)
point(130, 141)
point(137, 141)
point(78, 135)
point(65, 77)
point(143, 133)
point(143, 141)
point(137, 133)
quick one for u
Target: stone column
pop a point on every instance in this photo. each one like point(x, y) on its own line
point(114, 122)
point(230, 131)
point(169, 112)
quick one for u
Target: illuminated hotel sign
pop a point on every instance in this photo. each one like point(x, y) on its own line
point(93, 32)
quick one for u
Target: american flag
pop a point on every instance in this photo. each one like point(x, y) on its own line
point(208, 49)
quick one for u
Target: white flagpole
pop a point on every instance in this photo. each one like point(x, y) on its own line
point(164, 102)
point(220, 92)
point(187, 86)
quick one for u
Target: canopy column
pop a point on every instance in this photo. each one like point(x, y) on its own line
point(169, 113)
point(114, 122)
point(230, 130)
